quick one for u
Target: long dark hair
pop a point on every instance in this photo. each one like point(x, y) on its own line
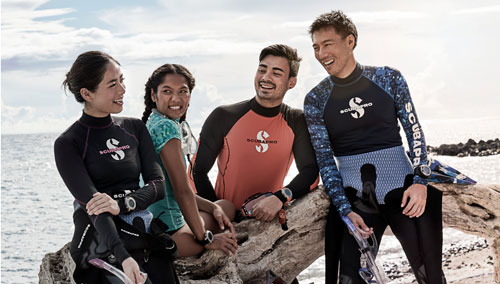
point(87, 72)
point(155, 80)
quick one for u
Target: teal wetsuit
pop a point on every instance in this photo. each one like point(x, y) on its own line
point(162, 130)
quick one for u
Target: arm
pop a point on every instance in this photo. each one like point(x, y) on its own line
point(405, 111)
point(173, 161)
point(313, 112)
point(307, 178)
point(74, 174)
point(211, 142)
point(154, 187)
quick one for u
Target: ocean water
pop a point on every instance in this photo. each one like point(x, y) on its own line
point(36, 207)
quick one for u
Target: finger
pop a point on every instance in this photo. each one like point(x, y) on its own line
point(421, 211)
point(220, 220)
point(409, 206)
point(231, 228)
point(405, 198)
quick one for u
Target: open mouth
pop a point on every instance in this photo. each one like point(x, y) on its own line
point(328, 63)
point(267, 85)
point(174, 107)
point(120, 101)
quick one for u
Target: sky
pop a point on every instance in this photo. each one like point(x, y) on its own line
point(447, 50)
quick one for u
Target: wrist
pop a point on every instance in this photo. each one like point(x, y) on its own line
point(285, 195)
point(208, 238)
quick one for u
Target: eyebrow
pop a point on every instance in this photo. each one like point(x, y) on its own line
point(114, 80)
point(274, 68)
point(323, 42)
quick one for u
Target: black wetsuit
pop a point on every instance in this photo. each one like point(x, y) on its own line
point(354, 130)
point(255, 147)
point(107, 155)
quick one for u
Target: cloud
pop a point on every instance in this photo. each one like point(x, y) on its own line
point(480, 10)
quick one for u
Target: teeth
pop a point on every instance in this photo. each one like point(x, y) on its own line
point(266, 86)
point(328, 62)
point(174, 107)
point(118, 101)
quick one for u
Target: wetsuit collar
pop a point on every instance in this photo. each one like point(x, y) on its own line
point(354, 76)
point(264, 111)
point(97, 122)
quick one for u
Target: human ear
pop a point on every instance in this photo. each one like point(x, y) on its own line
point(153, 97)
point(85, 93)
point(292, 82)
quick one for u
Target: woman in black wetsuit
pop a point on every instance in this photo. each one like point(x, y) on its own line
point(100, 158)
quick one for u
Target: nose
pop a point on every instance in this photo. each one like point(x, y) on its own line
point(122, 88)
point(267, 76)
point(320, 54)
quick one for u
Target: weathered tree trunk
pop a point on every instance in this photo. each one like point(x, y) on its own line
point(263, 246)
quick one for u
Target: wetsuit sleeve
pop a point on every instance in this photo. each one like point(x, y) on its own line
point(407, 115)
point(305, 160)
point(74, 174)
point(313, 111)
point(211, 143)
point(153, 189)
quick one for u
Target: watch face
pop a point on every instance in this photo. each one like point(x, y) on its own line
point(209, 236)
point(130, 203)
point(287, 192)
point(426, 171)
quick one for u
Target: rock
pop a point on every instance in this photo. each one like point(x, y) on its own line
point(264, 246)
point(471, 148)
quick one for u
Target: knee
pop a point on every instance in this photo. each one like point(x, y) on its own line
point(228, 208)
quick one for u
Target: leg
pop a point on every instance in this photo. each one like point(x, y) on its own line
point(421, 238)
point(333, 242)
point(210, 223)
point(160, 270)
point(186, 244)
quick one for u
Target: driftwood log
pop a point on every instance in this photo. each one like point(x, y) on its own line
point(263, 246)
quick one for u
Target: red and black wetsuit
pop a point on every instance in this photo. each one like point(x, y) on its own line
point(254, 147)
point(106, 155)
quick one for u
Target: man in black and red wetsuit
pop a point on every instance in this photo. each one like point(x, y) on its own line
point(255, 142)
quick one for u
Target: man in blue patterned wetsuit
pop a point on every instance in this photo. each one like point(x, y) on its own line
point(352, 117)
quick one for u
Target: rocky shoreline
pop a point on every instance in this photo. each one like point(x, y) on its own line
point(470, 148)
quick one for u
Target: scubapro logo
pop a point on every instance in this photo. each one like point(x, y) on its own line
point(116, 152)
point(356, 109)
point(262, 135)
point(261, 139)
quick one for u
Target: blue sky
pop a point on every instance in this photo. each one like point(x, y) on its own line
point(447, 50)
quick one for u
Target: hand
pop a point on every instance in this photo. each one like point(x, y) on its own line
point(131, 269)
point(360, 225)
point(418, 197)
point(225, 242)
point(266, 209)
point(223, 220)
point(100, 203)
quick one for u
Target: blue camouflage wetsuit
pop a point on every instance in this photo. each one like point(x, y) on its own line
point(353, 124)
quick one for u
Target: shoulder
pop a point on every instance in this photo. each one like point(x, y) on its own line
point(160, 127)
point(70, 135)
point(231, 109)
point(293, 116)
point(320, 92)
point(381, 73)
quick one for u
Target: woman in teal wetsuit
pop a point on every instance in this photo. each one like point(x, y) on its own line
point(167, 96)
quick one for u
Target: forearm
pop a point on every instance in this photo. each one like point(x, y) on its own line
point(204, 204)
point(189, 208)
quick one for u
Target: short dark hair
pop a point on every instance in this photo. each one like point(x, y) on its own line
point(342, 24)
point(87, 72)
point(157, 78)
point(285, 51)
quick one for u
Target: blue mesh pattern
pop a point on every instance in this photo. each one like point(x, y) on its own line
point(391, 164)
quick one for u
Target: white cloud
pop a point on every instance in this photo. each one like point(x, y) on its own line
point(479, 10)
